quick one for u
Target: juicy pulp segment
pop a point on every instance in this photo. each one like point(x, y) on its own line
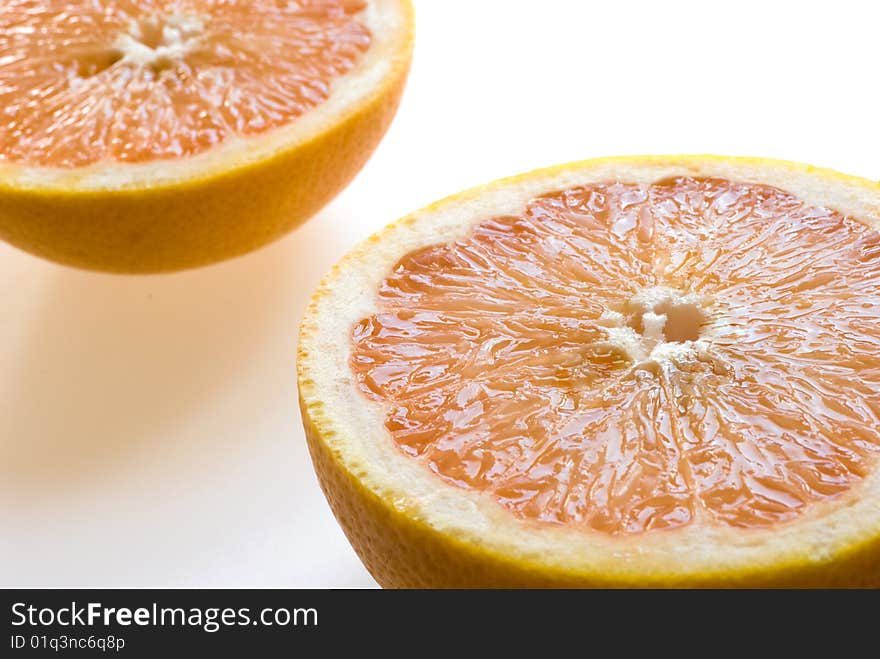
point(627, 357)
point(83, 81)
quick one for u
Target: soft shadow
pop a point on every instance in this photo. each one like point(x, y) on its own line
point(112, 363)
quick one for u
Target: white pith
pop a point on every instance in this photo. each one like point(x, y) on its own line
point(355, 429)
point(387, 21)
point(180, 34)
point(650, 347)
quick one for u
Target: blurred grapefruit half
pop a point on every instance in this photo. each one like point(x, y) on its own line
point(163, 134)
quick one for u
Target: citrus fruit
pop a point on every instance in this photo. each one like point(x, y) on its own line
point(645, 371)
point(165, 134)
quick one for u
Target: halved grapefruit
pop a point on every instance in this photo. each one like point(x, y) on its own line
point(645, 371)
point(164, 134)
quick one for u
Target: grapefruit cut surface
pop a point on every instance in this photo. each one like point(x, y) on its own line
point(83, 81)
point(655, 371)
point(109, 106)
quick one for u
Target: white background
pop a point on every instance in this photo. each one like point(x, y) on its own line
point(149, 433)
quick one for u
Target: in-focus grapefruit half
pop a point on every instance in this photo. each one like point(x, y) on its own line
point(164, 134)
point(646, 371)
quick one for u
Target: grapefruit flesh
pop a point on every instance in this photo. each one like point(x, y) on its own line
point(648, 371)
point(626, 357)
point(83, 82)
